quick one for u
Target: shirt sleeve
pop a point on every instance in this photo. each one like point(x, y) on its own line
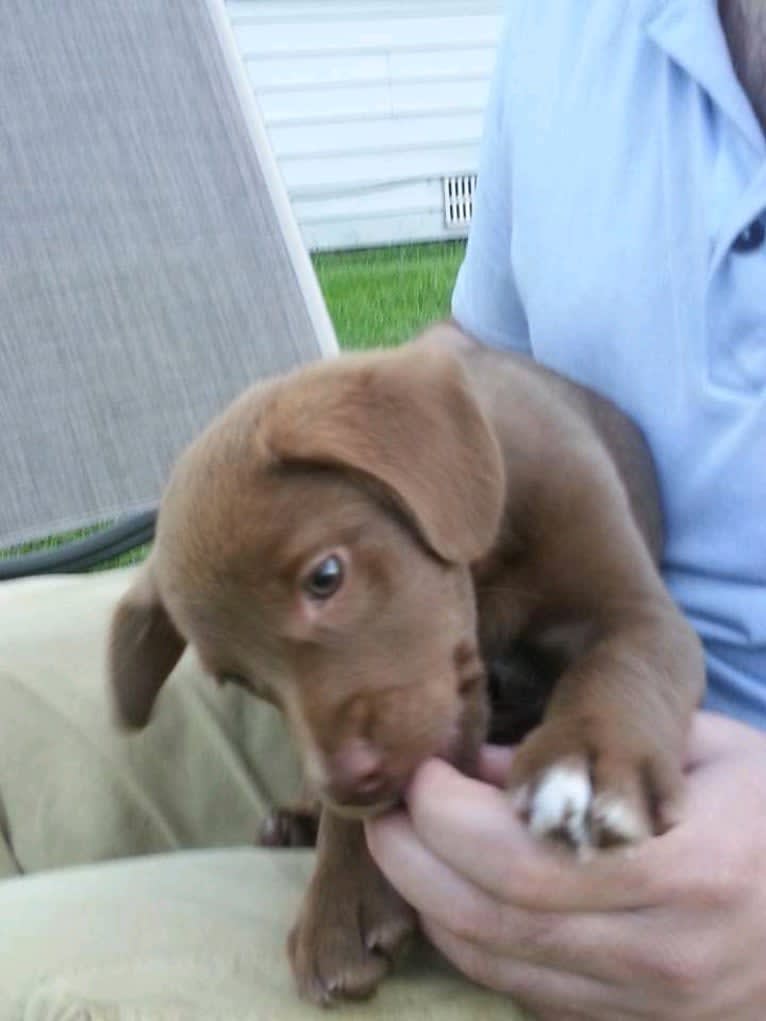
point(485, 301)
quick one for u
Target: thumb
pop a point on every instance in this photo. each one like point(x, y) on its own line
point(494, 765)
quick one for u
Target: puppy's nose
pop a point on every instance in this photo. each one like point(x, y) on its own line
point(356, 773)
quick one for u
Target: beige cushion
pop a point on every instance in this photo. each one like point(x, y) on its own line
point(188, 937)
point(182, 936)
point(72, 788)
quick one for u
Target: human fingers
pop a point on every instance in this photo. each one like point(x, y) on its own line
point(605, 946)
point(494, 764)
point(713, 735)
point(545, 991)
point(425, 881)
point(452, 815)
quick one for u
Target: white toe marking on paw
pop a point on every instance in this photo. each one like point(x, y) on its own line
point(611, 814)
point(560, 804)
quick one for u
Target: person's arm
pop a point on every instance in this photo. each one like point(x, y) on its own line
point(485, 302)
point(673, 929)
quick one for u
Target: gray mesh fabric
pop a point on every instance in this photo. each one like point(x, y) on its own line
point(150, 268)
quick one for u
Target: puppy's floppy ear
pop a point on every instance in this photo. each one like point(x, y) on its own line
point(144, 646)
point(409, 419)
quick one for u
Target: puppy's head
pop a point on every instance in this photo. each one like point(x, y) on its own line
point(314, 545)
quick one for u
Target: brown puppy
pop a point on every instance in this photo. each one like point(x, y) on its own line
point(356, 540)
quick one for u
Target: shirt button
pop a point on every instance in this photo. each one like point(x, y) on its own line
point(750, 238)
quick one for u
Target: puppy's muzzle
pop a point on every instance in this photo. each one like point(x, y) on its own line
point(358, 782)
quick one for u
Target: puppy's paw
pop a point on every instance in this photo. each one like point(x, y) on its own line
point(562, 805)
point(289, 827)
point(594, 794)
point(346, 940)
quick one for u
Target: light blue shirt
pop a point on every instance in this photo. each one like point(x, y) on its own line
point(616, 238)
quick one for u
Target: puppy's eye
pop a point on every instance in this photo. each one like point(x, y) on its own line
point(325, 579)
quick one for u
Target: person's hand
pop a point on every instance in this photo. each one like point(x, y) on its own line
point(673, 929)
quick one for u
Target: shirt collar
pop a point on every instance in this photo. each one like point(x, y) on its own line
point(690, 32)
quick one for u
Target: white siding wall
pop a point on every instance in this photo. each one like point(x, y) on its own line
point(369, 103)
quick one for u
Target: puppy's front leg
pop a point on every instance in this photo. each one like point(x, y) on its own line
point(605, 767)
point(352, 924)
point(293, 825)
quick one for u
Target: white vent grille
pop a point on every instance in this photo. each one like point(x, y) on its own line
point(458, 200)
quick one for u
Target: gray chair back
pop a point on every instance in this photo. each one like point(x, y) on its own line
point(150, 265)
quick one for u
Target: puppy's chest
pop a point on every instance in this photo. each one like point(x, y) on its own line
point(504, 602)
point(511, 611)
point(508, 591)
point(524, 649)
point(517, 612)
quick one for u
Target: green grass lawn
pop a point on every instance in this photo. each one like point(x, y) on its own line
point(386, 295)
point(377, 297)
